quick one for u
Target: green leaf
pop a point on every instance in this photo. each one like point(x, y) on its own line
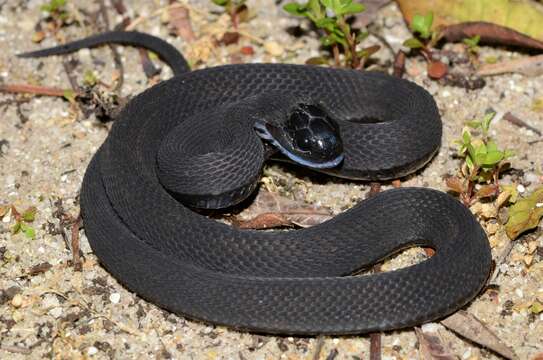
point(28, 231)
point(292, 8)
point(328, 24)
point(30, 214)
point(480, 149)
point(315, 8)
point(466, 136)
point(469, 163)
point(422, 24)
point(89, 78)
point(413, 43)
point(342, 7)
point(329, 4)
point(353, 8)
point(329, 40)
point(473, 124)
point(69, 95)
point(16, 228)
point(472, 41)
point(471, 151)
point(487, 120)
point(491, 146)
point(222, 2)
point(525, 214)
point(493, 158)
point(54, 5)
point(536, 307)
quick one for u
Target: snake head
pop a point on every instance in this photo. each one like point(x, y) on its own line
point(309, 136)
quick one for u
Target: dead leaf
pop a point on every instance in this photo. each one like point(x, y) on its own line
point(180, 23)
point(524, 16)
point(4, 209)
point(38, 269)
point(264, 221)
point(530, 65)
point(229, 37)
point(38, 36)
point(525, 214)
point(473, 329)
point(486, 191)
point(455, 184)
point(272, 210)
point(432, 347)
point(489, 34)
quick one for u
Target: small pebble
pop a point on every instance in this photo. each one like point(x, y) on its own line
point(55, 312)
point(273, 48)
point(115, 298)
point(430, 327)
point(521, 188)
point(532, 178)
point(17, 301)
point(92, 350)
point(519, 293)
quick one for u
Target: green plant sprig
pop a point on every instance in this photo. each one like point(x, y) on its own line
point(330, 16)
point(423, 41)
point(56, 10)
point(23, 220)
point(482, 164)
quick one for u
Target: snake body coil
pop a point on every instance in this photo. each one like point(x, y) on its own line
point(295, 282)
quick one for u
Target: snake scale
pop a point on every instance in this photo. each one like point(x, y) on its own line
point(192, 141)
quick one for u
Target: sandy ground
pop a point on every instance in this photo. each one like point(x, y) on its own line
point(62, 313)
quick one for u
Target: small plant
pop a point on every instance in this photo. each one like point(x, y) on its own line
point(423, 41)
point(330, 16)
point(57, 17)
point(236, 9)
point(472, 44)
point(56, 9)
point(483, 162)
point(23, 220)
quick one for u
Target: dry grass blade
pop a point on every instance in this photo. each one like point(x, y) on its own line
point(432, 347)
point(473, 329)
point(271, 210)
point(531, 66)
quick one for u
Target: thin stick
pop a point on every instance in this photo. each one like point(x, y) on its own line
point(33, 89)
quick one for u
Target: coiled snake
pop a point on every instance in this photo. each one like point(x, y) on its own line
point(200, 140)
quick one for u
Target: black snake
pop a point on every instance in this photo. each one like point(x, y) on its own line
point(196, 139)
